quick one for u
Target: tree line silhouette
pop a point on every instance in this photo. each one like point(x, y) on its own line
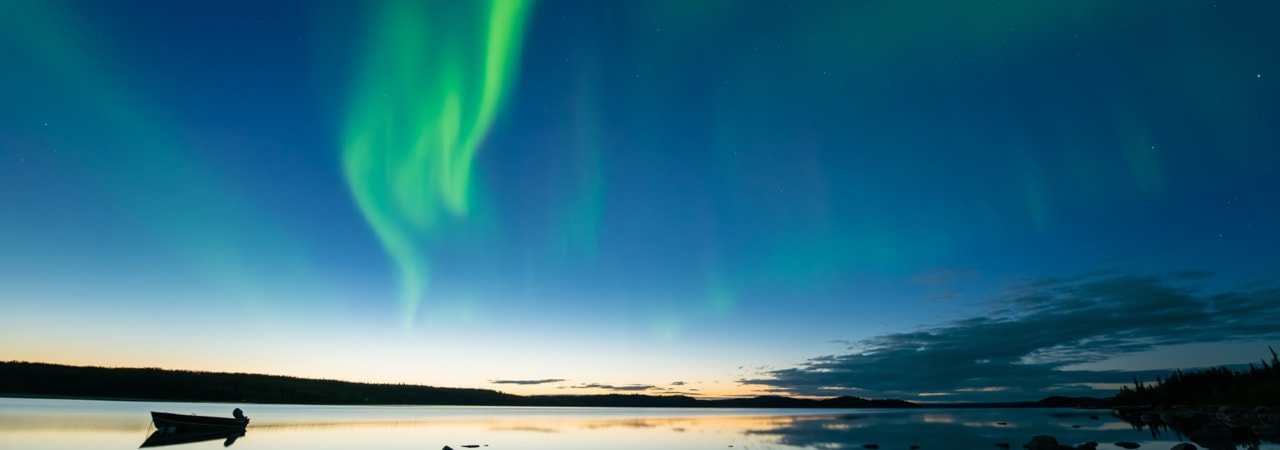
point(1259, 385)
point(52, 380)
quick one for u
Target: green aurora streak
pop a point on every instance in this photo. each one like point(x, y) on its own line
point(434, 80)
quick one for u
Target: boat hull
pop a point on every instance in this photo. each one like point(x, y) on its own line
point(182, 422)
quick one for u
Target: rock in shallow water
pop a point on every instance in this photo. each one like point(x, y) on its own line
point(1045, 442)
point(1184, 446)
point(1127, 444)
point(1212, 432)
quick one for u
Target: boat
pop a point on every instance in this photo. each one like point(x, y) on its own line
point(186, 422)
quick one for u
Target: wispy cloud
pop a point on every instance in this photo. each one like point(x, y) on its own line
point(619, 388)
point(528, 382)
point(1034, 330)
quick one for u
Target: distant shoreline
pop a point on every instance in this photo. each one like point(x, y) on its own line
point(1213, 386)
point(973, 405)
point(54, 381)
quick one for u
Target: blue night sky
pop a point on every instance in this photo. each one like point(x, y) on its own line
point(914, 199)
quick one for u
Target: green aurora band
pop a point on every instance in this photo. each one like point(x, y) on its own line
point(435, 78)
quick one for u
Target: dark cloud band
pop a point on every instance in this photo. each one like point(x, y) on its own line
point(622, 388)
point(528, 382)
point(1036, 329)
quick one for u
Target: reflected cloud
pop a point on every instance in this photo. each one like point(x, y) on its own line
point(967, 428)
point(938, 418)
point(633, 423)
point(527, 428)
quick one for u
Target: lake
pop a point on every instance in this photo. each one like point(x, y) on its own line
point(90, 424)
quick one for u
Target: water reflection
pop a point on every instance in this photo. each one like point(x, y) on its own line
point(1206, 430)
point(972, 428)
point(62, 424)
point(161, 438)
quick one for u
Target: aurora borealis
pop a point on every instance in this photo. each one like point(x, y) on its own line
point(434, 83)
point(702, 197)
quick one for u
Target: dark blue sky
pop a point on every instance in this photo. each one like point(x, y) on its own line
point(817, 198)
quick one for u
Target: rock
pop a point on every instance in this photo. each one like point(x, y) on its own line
point(1212, 432)
point(1002, 423)
point(1042, 442)
point(447, 448)
point(1266, 414)
point(914, 447)
point(871, 446)
point(1184, 446)
point(1094, 417)
point(1192, 414)
point(1266, 430)
point(1229, 413)
point(1004, 445)
point(1127, 444)
point(1087, 446)
point(1075, 426)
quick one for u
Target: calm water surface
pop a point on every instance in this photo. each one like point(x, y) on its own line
point(85, 424)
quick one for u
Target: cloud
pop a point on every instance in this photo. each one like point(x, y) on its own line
point(624, 388)
point(677, 383)
point(528, 382)
point(1033, 330)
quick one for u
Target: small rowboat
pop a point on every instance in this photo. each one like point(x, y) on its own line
point(184, 422)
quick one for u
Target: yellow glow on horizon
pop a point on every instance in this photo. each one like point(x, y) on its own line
point(376, 368)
